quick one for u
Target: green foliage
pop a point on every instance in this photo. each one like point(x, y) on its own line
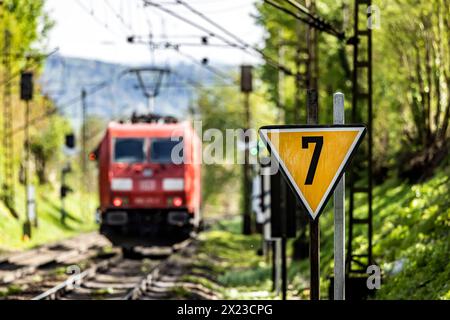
point(411, 232)
point(219, 110)
point(11, 290)
point(222, 109)
point(411, 71)
point(48, 207)
point(28, 25)
point(411, 83)
point(425, 275)
point(284, 37)
point(416, 234)
point(46, 145)
point(231, 258)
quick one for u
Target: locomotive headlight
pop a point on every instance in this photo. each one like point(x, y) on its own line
point(177, 201)
point(173, 184)
point(121, 184)
point(119, 201)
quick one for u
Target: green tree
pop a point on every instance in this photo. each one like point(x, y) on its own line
point(411, 70)
point(419, 46)
point(46, 145)
point(222, 108)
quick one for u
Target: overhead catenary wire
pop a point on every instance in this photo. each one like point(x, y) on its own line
point(98, 20)
point(32, 66)
point(224, 77)
point(244, 47)
point(227, 10)
point(118, 15)
point(243, 44)
point(195, 84)
point(233, 82)
point(311, 20)
point(216, 25)
point(65, 105)
point(167, 44)
point(99, 87)
point(96, 88)
point(211, 69)
point(176, 48)
point(77, 99)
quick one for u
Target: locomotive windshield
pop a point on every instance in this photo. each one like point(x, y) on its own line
point(161, 151)
point(129, 150)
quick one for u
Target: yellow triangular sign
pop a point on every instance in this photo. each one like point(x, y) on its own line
point(313, 158)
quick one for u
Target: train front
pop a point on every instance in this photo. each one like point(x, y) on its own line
point(149, 183)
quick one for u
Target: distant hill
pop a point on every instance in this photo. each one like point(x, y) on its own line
point(64, 77)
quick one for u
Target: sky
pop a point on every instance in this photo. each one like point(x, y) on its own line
point(98, 29)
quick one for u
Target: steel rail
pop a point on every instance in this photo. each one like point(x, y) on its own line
point(76, 279)
point(139, 289)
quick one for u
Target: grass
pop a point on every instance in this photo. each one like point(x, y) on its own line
point(231, 258)
point(10, 290)
point(411, 240)
point(50, 228)
point(411, 244)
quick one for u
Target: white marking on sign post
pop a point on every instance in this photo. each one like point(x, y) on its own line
point(31, 203)
point(339, 212)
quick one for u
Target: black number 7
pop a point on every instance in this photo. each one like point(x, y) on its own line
point(315, 158)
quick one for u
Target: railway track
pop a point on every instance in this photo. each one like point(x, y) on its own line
point(25, 274)
point(116, 278)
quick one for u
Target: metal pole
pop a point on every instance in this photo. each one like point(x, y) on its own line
point(262, 206)
point(83, 133)
point(275, 225)
point(298, 63)
point(83, 152)
point(283, 268)
point(151, 104)
point(280, 78)
point(27, 157)
point(63, 207)
point(247, 223)
point(27, 152)
point(284, 192)
point(370, 136)
point(339, 212)
point(359, 95)
point(314, 249)
point(314, 244)
point(27, 162)
point(31, 210)
point(278, 265)
point(274, 265)
point(8, 152)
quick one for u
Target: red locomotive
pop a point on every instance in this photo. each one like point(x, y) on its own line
point(149, 181)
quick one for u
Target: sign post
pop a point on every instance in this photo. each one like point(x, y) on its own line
point(339, 212)
point(277, 265)
point(275, 228)
point(312, 159)
point(246, 89)
point(314, 230)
